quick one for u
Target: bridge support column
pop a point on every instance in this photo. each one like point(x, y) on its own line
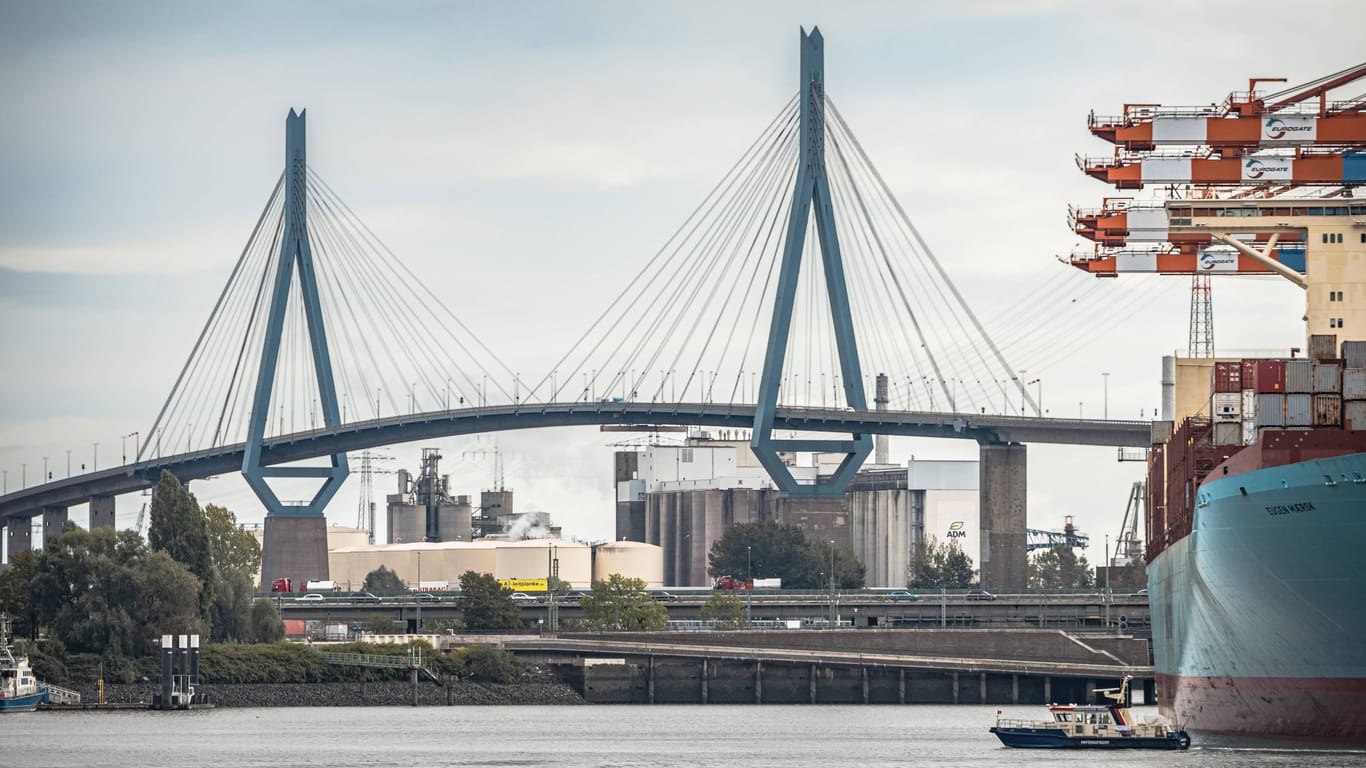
point(101, 512)
point(294, 548)
point(1090, 691)
point(811, 689)
point(1150, 692)
point(1002, 516)
point(53, 520)
point(1015, 688)
point(901, 687)
point(955, 687)
point(650, 681)
point(19, 536)
point(865, 684)
point(706, 675)
point(1048, 689)
point(982, 688)
point(758, 682)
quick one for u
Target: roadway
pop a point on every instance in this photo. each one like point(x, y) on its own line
point(197, 465)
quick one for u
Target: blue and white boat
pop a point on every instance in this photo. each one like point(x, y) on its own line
point(19, 689)
point(1107, 725)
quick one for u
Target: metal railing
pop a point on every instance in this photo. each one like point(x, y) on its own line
point(60, 695)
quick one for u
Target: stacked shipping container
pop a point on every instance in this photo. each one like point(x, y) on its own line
point(1297, 393)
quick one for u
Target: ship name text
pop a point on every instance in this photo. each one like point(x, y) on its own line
point(1289, 509)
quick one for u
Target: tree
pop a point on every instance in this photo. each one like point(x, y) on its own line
point(15, 583)
point(621, 603)
point(177, 527)
point(728, 610)
point(231, 549)
point(231, 611)
point(382, 581)
point(104, 592)
point(266, 624)
point(486, 604)
point(936, 564)
point(769, 550)
point(1059, 568)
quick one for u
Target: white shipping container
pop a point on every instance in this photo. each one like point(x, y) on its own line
point(1249, 431)
point(1227, 406)
point(1354, 383)
point(1299, 410)
point(1228, 433)
point(1327, 378)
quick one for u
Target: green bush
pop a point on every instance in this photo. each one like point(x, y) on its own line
point(490, 665)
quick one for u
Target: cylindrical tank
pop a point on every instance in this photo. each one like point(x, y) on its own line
point(632, 559)
point(407, 523)
point(453, 522)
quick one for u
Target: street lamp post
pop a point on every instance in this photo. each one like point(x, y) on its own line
point(45, 475)
point(68, 462)
point(834, 615)
point(95, 458)
point(1107, 582)
point(749, 593)
point(1105, 412)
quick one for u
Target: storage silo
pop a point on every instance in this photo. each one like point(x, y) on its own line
point(407, 523)
point(453, 520)
point(632, 559)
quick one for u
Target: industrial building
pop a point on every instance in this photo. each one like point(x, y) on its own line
point(439, 565)
point(684, 497)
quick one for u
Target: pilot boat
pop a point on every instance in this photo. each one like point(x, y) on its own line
point(19, 689)
point(1108, 724)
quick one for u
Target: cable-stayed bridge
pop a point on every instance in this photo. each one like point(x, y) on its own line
point(776, 307)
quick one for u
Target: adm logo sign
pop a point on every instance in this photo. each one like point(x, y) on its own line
point(956, 530)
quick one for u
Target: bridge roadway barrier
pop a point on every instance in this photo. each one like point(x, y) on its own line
point(355, 436)
point(713, 670)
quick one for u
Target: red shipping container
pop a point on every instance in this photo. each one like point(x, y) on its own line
point(1228, 377)
point(1249, 372)
point(294, 628)
point(1268, 377)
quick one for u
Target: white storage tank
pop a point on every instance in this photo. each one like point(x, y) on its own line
point(530, 559)
point(633, 559)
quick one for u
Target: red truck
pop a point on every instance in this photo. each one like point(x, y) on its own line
point(281, 585)
point(726, 582)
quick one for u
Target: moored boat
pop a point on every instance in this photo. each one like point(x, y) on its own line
point(1105, 725)
point(19, 689)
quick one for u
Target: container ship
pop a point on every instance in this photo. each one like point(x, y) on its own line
point(1256, 488)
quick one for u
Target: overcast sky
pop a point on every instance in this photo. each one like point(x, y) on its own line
point(527, 158)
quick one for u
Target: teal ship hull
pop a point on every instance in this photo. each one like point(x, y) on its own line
point(1259, 613)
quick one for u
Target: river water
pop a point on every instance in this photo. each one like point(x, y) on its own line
point(582, 736)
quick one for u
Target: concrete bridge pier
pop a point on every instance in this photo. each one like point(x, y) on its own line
point(758, 682)
point(706, 673)
point(101, 512)
point(294, 547)
point(19, 536)
point(53, 520)
point(1001, 485)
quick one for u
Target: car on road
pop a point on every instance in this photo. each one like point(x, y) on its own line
point(1141, 593)
point(311, 597)
point(572, 597)
point(523, 597)
point(903, 595)
point(364, 597)
point(667, 597)
point(980, 594)
point(425, 597)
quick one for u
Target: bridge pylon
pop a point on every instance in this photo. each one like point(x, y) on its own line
point(295, 253)
point(812, 192)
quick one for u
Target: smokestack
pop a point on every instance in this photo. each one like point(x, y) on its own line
point(880, 401)
point(1168, 387)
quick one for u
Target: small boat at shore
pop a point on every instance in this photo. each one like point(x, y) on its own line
point(1107, 724)
point(19, 689)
